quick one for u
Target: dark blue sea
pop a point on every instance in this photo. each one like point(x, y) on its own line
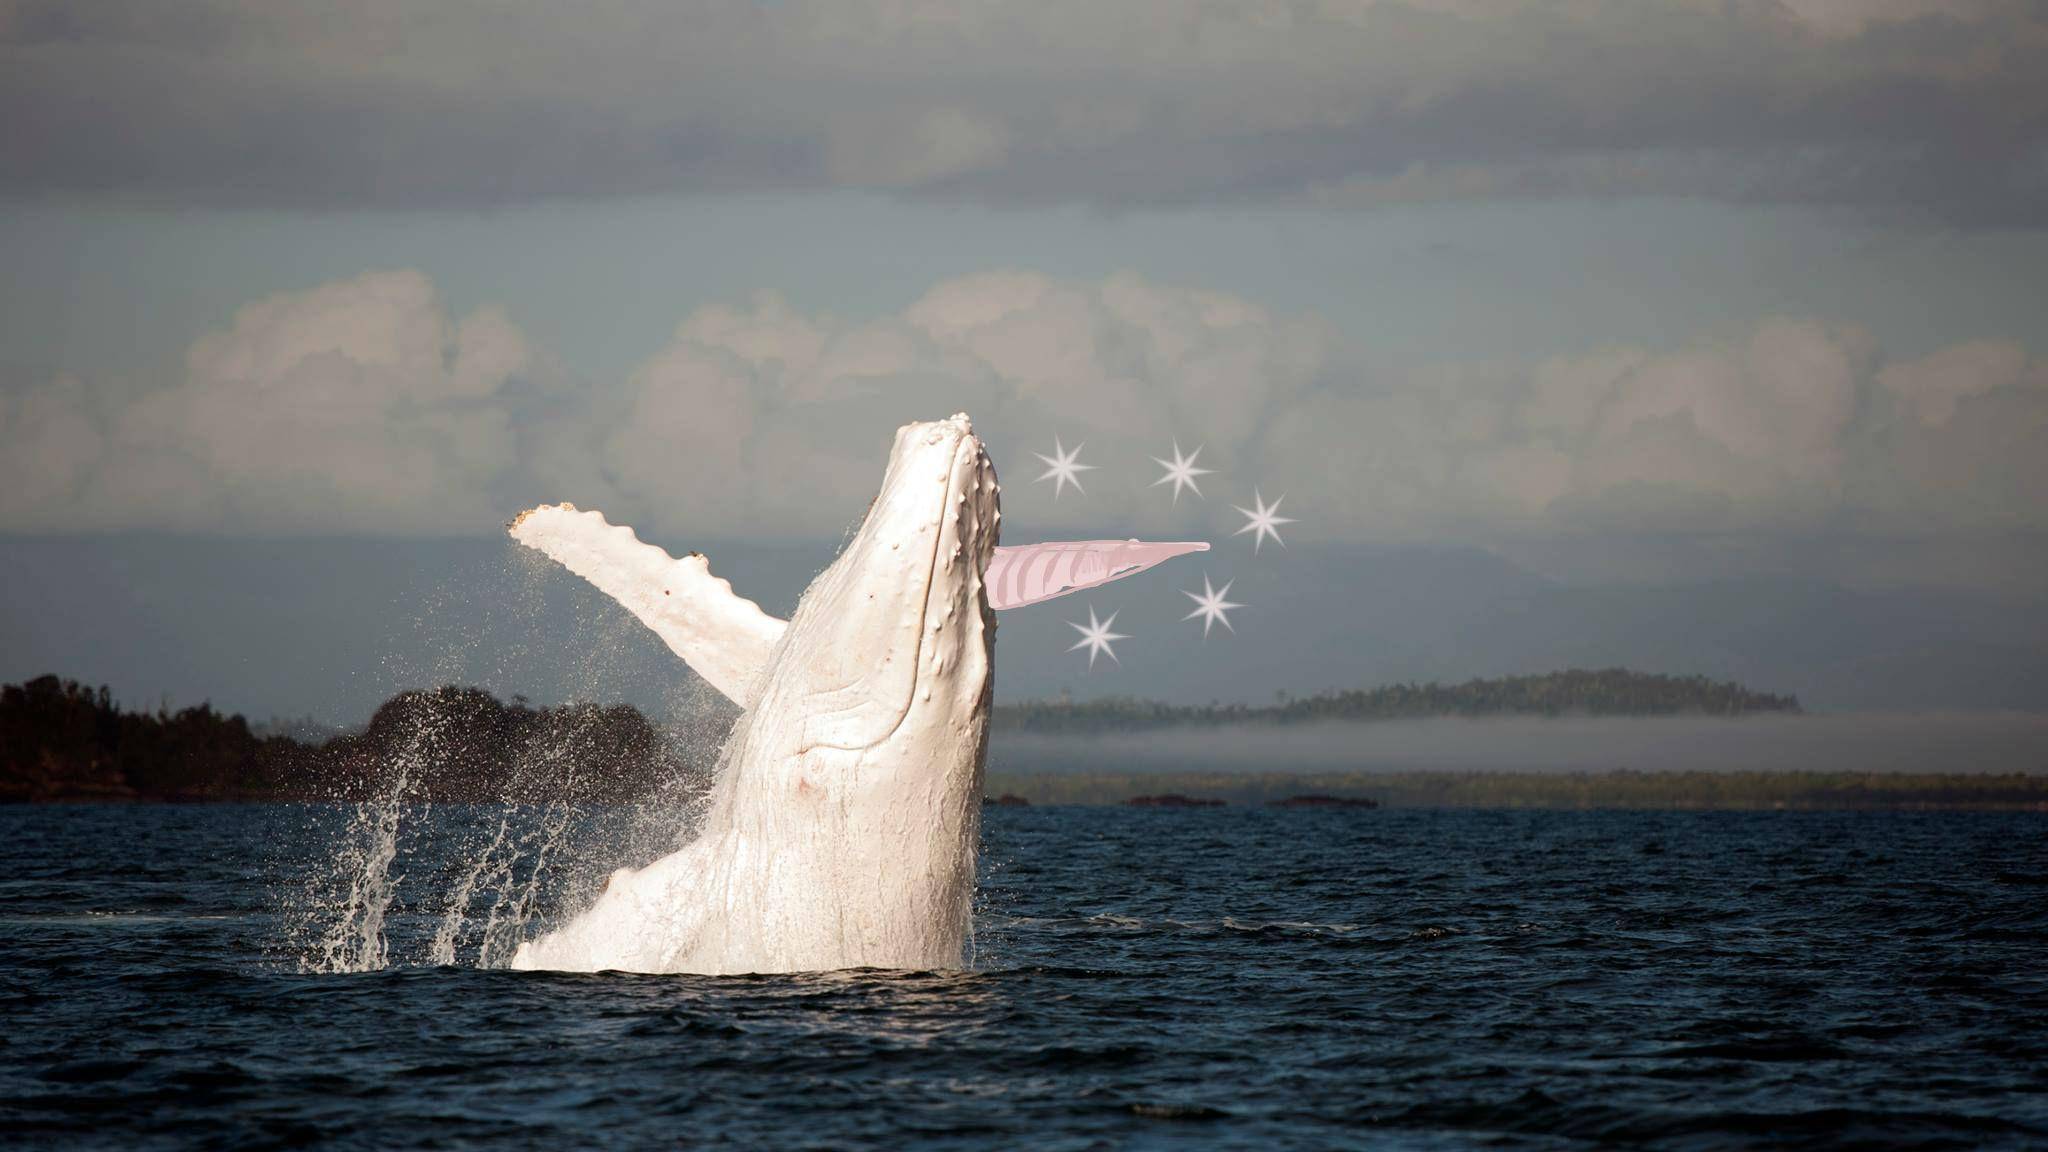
point(1237, 977)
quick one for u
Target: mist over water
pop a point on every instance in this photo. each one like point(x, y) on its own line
point(1934, 742)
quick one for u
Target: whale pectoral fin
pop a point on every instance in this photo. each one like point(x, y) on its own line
point(723, 637)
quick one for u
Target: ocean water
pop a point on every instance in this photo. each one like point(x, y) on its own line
point(1142, 979)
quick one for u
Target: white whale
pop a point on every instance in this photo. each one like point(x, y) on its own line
point(843, 828)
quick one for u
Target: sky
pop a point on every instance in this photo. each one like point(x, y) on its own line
point(1648, 312)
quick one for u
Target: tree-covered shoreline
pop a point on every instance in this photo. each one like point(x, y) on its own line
point(60, 740)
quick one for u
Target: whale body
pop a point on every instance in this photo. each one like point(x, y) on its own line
point(844, 824)
point(843, 827)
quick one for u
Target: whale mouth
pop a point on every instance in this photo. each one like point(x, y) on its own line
point(874, 606)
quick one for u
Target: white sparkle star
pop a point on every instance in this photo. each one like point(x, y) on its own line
point(1181, 472)
point(1096, 637)
point(1265, 521)
point(1210, 605)
point(1064, 468)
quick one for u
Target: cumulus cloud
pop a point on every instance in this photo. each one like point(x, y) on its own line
point(360, 405)
point(1793, 425)
point(1933, 104)
point(366, 406)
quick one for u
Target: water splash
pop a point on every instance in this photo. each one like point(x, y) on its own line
point(500, 870)
point(515, 906)
point(353, 940)
point(354, 898)
point(490, 869)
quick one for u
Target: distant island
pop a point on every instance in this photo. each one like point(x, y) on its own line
point(1573, 692)
point(63, 741)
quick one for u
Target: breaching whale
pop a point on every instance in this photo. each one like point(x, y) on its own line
point(844, 824)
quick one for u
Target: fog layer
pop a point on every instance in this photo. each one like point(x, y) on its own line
point(1930, 742)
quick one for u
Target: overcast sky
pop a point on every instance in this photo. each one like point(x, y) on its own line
point(1622, 290)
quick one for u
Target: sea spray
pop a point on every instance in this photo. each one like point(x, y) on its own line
point(524, 813)
point(353, 938)
point(514, 907)
point(489, 868)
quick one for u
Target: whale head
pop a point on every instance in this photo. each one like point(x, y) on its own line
point(883, 678)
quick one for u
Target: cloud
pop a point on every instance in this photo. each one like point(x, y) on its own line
point(1963, 441)
point(1933, 105)
point(360, 405)
point(1792, 425)
point(49, 441)
point(364, 405)
point(775, 421)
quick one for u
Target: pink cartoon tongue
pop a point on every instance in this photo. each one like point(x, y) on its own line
point(1030, 573)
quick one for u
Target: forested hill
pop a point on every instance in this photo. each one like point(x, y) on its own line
point(60, 740)
point(1574, 692)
